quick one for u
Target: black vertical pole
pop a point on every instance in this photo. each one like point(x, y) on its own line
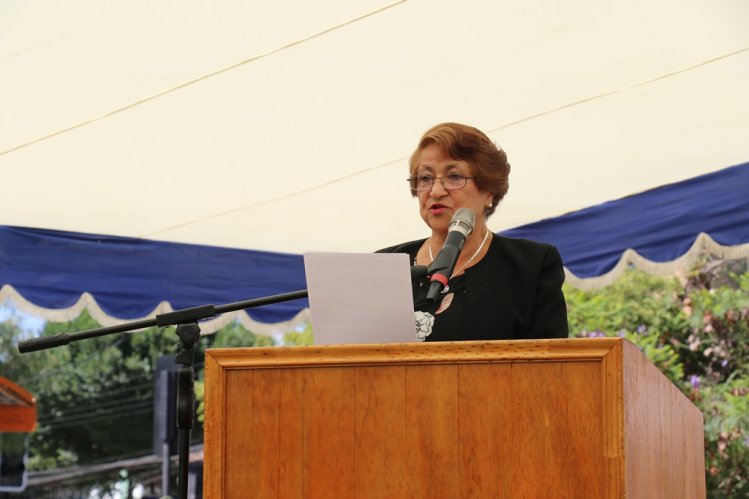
point(188, 335)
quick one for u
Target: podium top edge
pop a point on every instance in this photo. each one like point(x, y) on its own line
point(568, 349)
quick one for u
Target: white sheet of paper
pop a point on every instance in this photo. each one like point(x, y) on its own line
point(360, 297)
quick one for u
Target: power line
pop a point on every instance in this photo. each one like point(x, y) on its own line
point(142, 391)
point(96, 408)
point(110, 414)
point(126, 387)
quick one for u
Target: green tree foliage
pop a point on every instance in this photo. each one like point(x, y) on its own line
point(234, 335)
point(695, 328)
point(95, 397)
point(726, 410)
point(299, 338)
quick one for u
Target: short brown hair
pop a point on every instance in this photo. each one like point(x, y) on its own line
point(465, 143)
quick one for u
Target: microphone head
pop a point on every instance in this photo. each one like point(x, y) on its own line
point(463, 220)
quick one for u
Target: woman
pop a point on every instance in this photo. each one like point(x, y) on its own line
point(500, 288)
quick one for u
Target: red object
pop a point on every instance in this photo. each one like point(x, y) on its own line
point(440, 278)
point(17, 408)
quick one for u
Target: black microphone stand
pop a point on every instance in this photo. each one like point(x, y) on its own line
point(188, 332)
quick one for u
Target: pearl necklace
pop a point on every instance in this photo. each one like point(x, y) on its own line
point(475, 254)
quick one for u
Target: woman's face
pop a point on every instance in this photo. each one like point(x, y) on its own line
point(438, 205)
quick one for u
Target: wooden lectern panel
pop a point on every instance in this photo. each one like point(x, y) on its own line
point(549, 418)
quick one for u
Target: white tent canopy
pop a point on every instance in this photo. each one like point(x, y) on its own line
point(286, 126)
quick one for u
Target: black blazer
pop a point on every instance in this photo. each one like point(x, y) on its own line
point(514, 292)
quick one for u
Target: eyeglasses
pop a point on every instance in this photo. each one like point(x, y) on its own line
point(450, 182)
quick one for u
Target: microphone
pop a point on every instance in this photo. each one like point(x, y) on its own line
point(461, 226)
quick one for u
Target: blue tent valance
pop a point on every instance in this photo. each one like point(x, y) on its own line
point(659, 230)
point(56, 274)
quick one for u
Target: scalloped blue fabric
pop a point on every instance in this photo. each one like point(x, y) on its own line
point(129, 277)
point(660, 224)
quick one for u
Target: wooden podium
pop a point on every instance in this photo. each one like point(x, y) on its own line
point(575, 418)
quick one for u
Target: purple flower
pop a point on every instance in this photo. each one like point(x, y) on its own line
point(642, 328)
point(694, 380)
